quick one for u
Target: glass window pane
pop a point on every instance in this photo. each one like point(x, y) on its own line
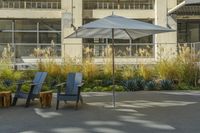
point(193, 32)
point(145, 50)
point(88, 51)
point(56, 49)
point(24, 50)
point(5, 24)
point(134, 50)
point(5, 37)
point(25, 37)
point(182, 32)
point(147, 39)
point(48, 37)
point(25, 25)
point(2, 46)
point(122, 50)
point(51, 25)
point(99, 50)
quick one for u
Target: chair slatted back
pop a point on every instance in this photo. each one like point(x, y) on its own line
point(73, 80)
point(39, 79)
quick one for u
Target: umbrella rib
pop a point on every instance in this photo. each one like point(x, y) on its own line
point(128, 34)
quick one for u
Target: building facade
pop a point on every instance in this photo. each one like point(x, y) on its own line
point(29, 25)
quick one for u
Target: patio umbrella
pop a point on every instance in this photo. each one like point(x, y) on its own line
point(117, 27)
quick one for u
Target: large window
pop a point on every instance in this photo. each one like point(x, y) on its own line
point(189, 36)
point(24, 50)
point(188, 32)
point(25, 35)
point(47, 37)
point(5, 37)
point(25, 25)
point(145, 50)
point(5, 25)
point(50, 25)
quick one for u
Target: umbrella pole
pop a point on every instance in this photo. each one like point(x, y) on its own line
point(113, 69)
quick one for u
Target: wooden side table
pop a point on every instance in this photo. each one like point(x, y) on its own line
point(45, 98)
point(5, 98)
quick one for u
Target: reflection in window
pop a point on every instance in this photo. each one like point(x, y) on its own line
point(188, 32)
point(131, 50)
point(22, 50)
point(193, 32)
point(52, 25)
point(99, 50)
point(123, 50)
point(5, 37)
point(56, 49)
point(48, 37)
point(2, 46)
point(145, 51)
point(88, 51)
point(182, 32)
point(5, 24)
point(25, 25)
point(25, 37)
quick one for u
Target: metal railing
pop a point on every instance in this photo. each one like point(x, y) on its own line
point(30, 5)
point(122, 5)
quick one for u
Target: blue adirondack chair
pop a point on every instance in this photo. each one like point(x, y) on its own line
point(35, 88)
point(72, 91)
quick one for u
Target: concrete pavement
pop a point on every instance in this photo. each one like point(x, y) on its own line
point(136, 112)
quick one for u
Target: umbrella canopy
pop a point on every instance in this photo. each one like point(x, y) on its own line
point(124, 28)
point(117, 27)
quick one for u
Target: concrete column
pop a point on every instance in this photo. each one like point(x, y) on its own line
point(71, 18)
point(166, 43)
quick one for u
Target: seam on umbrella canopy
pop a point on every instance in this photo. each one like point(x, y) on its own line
point(106, 33)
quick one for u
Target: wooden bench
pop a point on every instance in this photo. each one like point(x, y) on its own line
point(45, 98)
point(5, 98)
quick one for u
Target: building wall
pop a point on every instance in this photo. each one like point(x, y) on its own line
point(168, 48)
point(30, 14)
point(72, 18)
point(139, 14)
point(72, 15)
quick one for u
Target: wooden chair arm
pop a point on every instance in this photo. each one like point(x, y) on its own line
point(59, 87)
point(61, 84)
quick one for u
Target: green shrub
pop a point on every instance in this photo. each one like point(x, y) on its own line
point(9, 74)
point(26, 87)
point(129, 85)
point(184, 86)
point(128, 72)
point(134, 84)
point(146, 72)
point(169, 69)
point(151, 85)
point(166, 84)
